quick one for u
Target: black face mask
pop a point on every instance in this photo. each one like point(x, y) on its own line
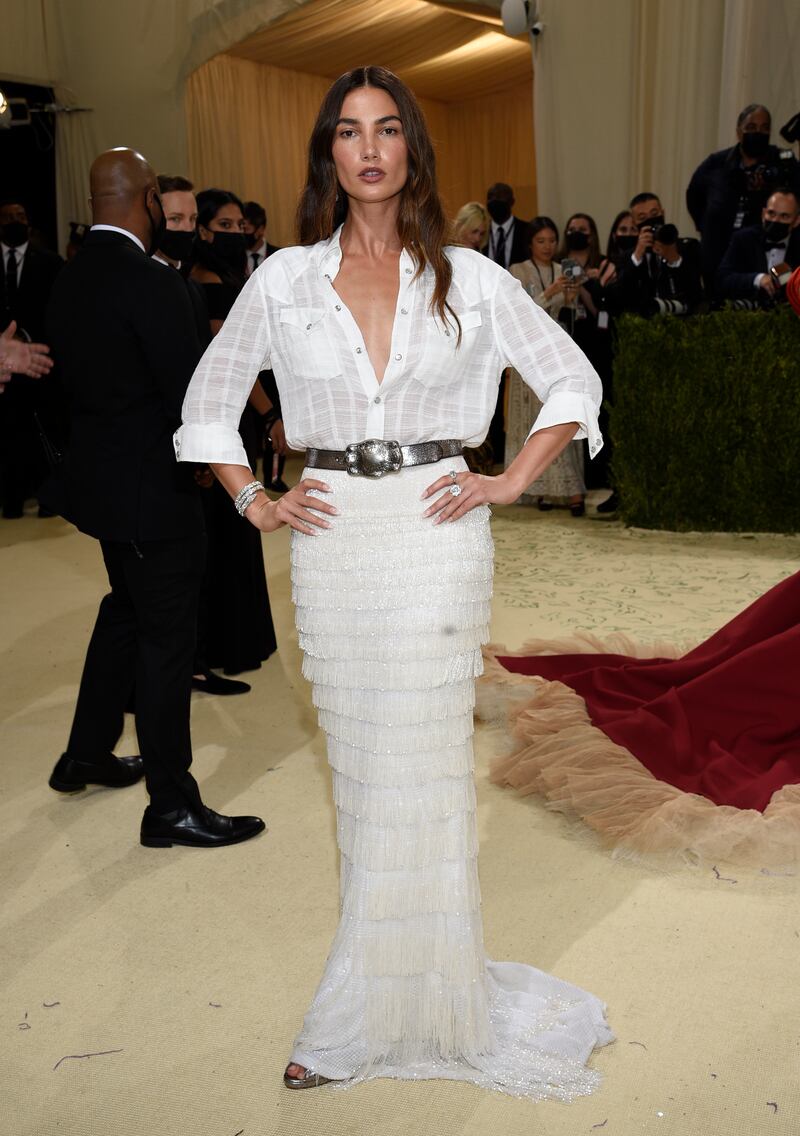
point(755, 144)
point(176, 244)
point(577, 241)
point(158, 227)
point(776, 230)
point(250, 240)
point(231, 249)
point(626, 242)
point(14, 234)
point(499, 211)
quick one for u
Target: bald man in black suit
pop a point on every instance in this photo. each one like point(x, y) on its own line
point(123, 332)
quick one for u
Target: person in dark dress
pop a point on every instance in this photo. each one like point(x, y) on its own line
point(175, 252)
point(237, 623)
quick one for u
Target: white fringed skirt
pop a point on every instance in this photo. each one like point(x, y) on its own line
point(392, 611)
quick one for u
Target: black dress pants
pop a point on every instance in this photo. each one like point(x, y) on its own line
point(144, 637)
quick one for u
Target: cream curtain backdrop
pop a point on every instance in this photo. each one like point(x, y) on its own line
point(600, 70)
point(248, 126)
point(633, 94)
point(760, 62)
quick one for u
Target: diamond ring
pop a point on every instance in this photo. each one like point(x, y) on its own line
point(453, 474)
point(455, 490)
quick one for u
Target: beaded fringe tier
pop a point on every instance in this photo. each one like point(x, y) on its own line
point(392, 611)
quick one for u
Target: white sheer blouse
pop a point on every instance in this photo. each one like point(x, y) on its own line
point(288, 317)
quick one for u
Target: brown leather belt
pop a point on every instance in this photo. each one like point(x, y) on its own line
point(375, 456)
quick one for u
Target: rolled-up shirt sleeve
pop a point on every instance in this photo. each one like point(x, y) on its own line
point(224, 377)
point(548, 361)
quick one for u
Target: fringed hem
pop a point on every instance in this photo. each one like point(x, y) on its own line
point(581, 773)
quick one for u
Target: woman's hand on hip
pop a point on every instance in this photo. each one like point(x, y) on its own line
point(293, 509)
point(473, 489)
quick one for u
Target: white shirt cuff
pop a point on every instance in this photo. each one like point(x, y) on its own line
point(211, 443)
point(564, 406)
point(759, 276)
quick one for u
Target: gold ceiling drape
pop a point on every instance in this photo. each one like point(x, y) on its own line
point(248, 126)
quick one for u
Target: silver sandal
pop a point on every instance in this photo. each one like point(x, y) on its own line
point(311, 1080)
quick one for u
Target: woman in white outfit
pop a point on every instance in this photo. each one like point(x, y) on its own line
point(387, 349)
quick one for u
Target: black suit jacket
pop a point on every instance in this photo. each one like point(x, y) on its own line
point(718, 187)
point(639, 286)
point(39, 271)
point(123, 332)
point(520, 243)
point(745, 258)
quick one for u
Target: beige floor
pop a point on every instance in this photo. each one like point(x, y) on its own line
point(187, 972)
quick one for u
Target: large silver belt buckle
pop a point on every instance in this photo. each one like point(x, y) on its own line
point(373, 458)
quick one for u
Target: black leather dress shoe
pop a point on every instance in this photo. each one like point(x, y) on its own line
point(197, 828)
point(211, 683)
point(70, 776)
point(610, 505)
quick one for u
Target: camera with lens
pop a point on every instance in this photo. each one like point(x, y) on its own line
point(572, 270)
point(669, 308)
point(664, 234)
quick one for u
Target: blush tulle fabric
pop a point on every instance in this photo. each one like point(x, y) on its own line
point(391, 613)
point(696, 755)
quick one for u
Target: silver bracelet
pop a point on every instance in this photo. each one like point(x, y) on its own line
point(246, 496)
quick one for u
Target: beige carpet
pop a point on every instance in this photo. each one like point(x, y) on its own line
point(186, 973)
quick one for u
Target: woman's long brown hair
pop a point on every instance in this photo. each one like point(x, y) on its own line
point(421, 223)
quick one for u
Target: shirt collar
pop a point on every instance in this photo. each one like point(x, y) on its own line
point(260, 251)
point(116, 229)
point(506, 226)
point(163, 260)
point(330, 256)
point(19, 251)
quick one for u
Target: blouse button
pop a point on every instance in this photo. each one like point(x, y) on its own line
point(358, 350)
point(338, 307)
point(308, 327)
point(398, 356)
point(377, 399)
point(404, 311)
point(408, 271)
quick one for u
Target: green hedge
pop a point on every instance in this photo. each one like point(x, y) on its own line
point(706, 422)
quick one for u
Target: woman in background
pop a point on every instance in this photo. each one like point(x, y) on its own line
point(236, 629)
point(471, 226)
point(622, 238)
point(581, 243)
point(542, 279)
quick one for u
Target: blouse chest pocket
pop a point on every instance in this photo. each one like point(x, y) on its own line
point(439, 364)
point(306, 343)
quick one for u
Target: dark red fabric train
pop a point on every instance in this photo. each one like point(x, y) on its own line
point(723, 721)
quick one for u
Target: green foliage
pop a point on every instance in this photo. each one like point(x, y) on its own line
point(706, 421)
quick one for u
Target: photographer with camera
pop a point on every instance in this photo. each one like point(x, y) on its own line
point(662, 274)
point(760, 259)
point(729, 188)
